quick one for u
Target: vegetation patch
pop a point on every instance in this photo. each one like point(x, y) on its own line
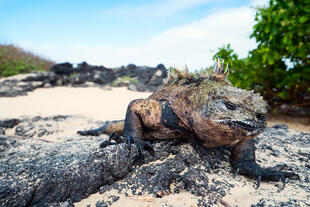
point(14, 60)
point(279, 68)
point(125, 79)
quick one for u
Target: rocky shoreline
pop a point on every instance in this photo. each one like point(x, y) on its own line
point(138, 78)
point(44, 162)
point(36, 171)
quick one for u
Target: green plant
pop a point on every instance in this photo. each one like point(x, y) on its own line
point(14, 60)
point(283, 35)
point(125, 79)
point(73, 75)
point(279, 68)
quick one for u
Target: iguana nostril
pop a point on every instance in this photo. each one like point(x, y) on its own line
point(261, 117)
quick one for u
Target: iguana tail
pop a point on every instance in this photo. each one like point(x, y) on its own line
point(107, 128)
point(114, 126)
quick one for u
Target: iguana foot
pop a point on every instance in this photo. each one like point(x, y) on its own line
point(113, 136)
point(252, 170)
point(141, 144)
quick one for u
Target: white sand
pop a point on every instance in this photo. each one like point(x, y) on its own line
point(181, 199)
point(98, 103)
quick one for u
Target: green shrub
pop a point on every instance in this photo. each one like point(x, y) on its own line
point(279, 68)
point(14, 60)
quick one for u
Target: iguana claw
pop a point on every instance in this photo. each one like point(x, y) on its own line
point(141, 144)
point(128, 142)
point(147, 146)
point(253, 170)
point(113, 136)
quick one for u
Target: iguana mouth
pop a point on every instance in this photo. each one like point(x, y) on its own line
point(249, 125)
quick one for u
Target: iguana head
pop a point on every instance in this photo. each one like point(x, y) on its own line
point(225, 114)
point(217, 112)
point(240, 110)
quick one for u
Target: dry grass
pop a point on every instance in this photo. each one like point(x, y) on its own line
point(15, 60)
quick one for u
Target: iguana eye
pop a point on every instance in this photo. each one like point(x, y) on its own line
point(230, 105)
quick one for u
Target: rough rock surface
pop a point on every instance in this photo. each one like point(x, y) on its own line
point(64, 74)
point(39, 171)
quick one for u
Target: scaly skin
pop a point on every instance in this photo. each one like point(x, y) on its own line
point(207, 108)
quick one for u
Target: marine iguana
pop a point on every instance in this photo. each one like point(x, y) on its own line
point(203, 107)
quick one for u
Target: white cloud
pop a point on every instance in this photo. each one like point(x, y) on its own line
point(259, 3)
point(193, 44)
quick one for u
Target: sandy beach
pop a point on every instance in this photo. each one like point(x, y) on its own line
point(92, 102)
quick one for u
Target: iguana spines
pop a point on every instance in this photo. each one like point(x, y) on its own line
point(179, 77)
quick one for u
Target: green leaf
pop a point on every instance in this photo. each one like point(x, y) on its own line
point(285, 39)
point(270, 60)
point(267, 29)
point(283, 95)
point(302, 19)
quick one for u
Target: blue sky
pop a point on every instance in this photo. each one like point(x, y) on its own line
point(114, 33)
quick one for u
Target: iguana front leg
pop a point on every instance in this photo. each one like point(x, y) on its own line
point(133, 128)
point(243, 161)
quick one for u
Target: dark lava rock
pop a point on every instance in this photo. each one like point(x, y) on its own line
point(107, 202)
point(149, 79)
point(6, 143)
point(64, 74)
point(9, 123)
point(269, 202)
point(294, 110)
point(34, 172)
point(62, 68)
point(280, 126)
point(12, 88)
point(2, 131)
point(23, 83)
point(38, 173)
